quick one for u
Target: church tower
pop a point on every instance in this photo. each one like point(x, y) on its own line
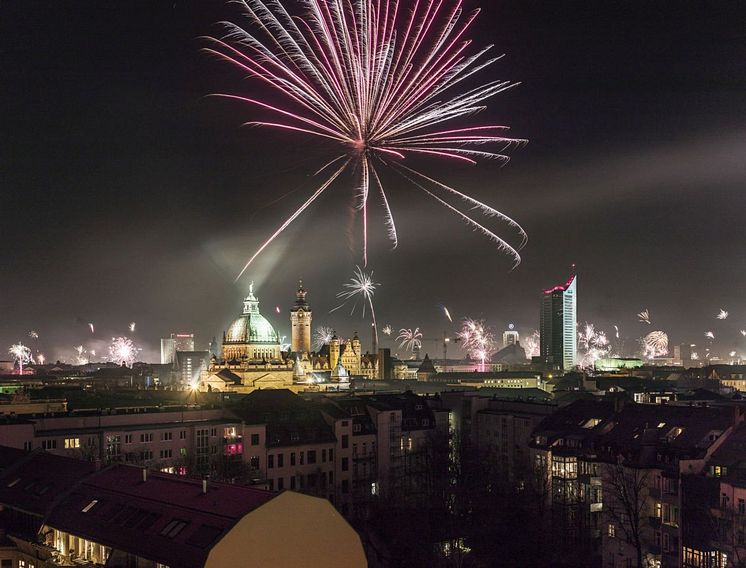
point(300, 322)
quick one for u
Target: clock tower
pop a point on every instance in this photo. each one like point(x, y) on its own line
point(300, 321)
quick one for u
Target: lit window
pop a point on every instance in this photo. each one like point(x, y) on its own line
point(612, 531)
point(661, 424)
point(72, 443)
point(90, 506)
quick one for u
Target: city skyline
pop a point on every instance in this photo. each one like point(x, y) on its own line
point(138, 199)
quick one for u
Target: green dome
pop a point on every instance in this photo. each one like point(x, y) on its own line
point(251, 326)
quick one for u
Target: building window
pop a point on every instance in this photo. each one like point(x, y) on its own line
point(612, 531)
point(49, 444)
point(301, 458)
point(255, 439)
point(292, 482)
point(741, 507)
point(271, 484)
point(146, 438)
point(182, 435)
point(345, 441)
point(128, 438)
point(254, 462)
point(280, 460)
point(323, 455)
point(345, 464)
point(213, 432)
point(292, 458)
point(72, 443)
point(167, 436)
point(345, 486)
point(166, 454)
point(270, 461)
point(311, 457)
point(357, 428)
point(280, 484)
point(331, 454)
point(113, 446)
point(27, 446)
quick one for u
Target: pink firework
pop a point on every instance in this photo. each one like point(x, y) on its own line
point(378, 79)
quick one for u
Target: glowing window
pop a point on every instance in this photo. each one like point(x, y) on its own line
point(90, 506)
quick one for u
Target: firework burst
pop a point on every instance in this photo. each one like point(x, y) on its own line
point(722, 314)
point(81, 355)
point(33, 334)
point(410, 339)
point(532, 344)
point(132, 326)
point(655, 344)
point(360, 287)
point(477, 340)
point(21, 354)
point(387, 329)
point(123, 351)
point(592, 345)
point(644, 316)
point(377, 81)
point(710, 335)
point(322, 336)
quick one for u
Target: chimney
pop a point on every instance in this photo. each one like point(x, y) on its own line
point(144, 474)
point(204, 485)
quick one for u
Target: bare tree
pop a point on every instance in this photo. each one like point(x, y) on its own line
point(626, 499)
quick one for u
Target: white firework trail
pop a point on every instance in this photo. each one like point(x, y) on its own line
point(21, 354)
point(322, 336)
point(123, 351)
point(410, 339)
point(644, 316)
point(532, 344)
point(360, 287)
point(592, 345)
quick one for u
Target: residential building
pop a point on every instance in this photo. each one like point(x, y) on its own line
point(176, 342)
point(58, 511)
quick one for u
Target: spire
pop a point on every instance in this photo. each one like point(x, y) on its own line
point(300, 296)
point(251, 303)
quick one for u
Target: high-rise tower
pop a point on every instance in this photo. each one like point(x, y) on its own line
point(300, 321)
point(559, 322)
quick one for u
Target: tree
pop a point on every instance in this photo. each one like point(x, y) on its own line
point(625, 502)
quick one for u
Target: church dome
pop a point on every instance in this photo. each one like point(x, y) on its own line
point(251, 327)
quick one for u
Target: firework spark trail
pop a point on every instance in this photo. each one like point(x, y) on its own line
point(93, 330)
point(322, 336)
point(132, 327)
point(723, 314)
point(644, 316)
point(532, 344)
point(447, 314)
point(655, 344)
point(21, 354)
point(410, 339)
point(378, 82)
point(123, 351)
point(477, 340)
point(361, 285)
point(592, 345)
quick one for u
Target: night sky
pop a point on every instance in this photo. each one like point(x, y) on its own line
point(130, 196)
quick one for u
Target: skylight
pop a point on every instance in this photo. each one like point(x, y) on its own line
point(90, 506)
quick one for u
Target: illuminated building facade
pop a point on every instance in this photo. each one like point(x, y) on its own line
point(177, 342)
point(558, 325)
point(301, 318)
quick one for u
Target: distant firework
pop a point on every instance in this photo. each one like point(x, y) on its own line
point(376, 80)
point(33, 334)
point(81, 355)
point(278, 310)
point(710, 335)
point(732, 353)
point(386, 330)
point(722, 314)
point(40, 358)
point(532, 344)
point(477, 340)
point(592, 345)
point(93, 330)
point(21, 354)
point(655, 344)
point(361, 286)
point(122, 351)
point(322, 336)
point(644, 316)
point(410, 339)
point(132, 327)
point(743, 332)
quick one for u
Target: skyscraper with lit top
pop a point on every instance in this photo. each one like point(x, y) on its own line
point(558, 327)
